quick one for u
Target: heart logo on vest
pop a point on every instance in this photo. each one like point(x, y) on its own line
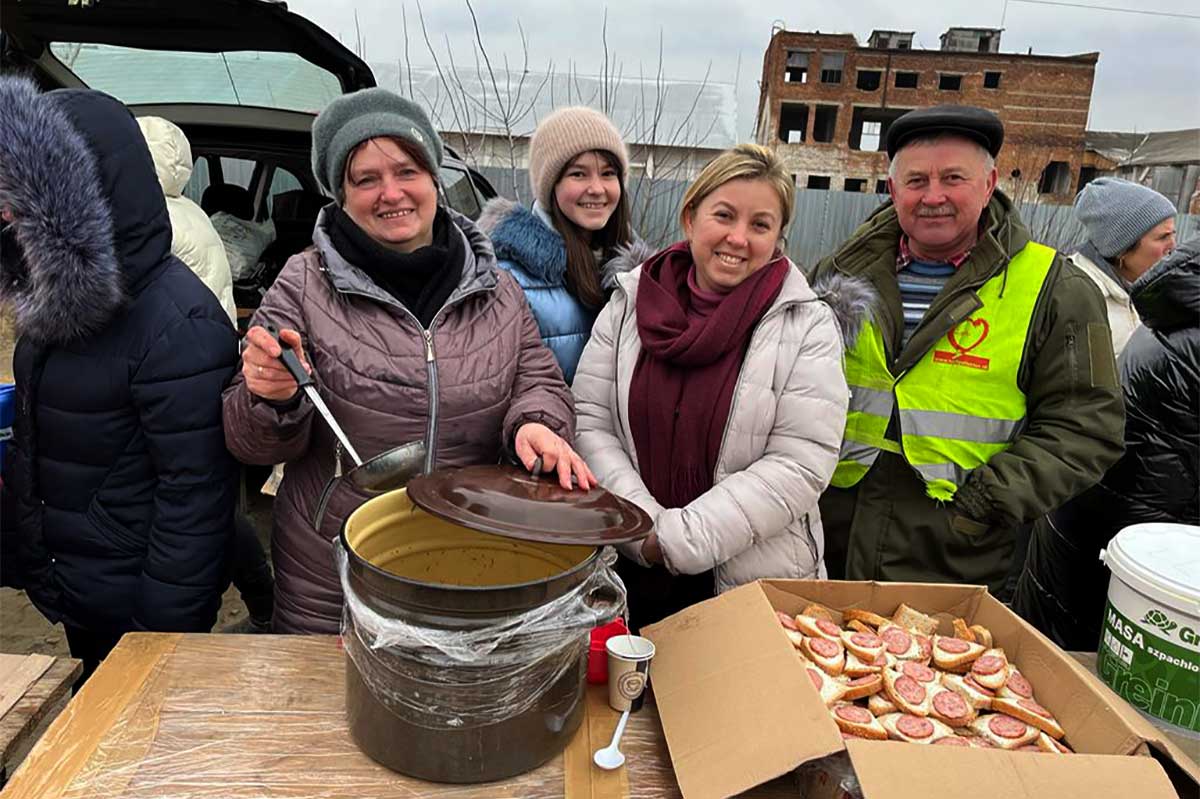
point(970, 331)
point(966, 336)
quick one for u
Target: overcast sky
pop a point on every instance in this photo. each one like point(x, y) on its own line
point(1148, 77)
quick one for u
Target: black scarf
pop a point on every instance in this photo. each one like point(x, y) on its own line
point(421, 280)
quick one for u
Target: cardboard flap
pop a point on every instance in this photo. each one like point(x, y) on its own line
point(891, 770)
point(736, 705)
point(941, 601)
point(1099, 720)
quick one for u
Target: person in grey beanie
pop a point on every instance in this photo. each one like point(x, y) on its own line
point(1130, 228)
point(410, 332)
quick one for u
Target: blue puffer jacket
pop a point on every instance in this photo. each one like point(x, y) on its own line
point(528, 246)
point(119, 492)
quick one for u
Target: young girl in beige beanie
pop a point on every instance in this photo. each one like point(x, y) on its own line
point(566, 250)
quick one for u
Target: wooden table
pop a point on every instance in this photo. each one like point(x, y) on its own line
point(36, 700)
point(238, 716)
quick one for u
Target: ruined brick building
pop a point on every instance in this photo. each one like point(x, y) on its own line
point(825, 104)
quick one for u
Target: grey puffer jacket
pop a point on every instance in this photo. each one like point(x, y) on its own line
point(760, 518)
point(463, 386)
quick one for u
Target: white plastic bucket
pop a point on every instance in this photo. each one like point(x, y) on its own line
point(1150, 642)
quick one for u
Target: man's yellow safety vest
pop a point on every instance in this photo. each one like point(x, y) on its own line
point(960, 404)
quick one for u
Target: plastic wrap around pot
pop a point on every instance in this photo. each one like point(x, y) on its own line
point(481, 675)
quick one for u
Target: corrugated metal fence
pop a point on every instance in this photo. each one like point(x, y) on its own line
point(823, 219)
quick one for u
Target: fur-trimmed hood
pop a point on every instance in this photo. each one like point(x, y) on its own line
point(850, 298)
point(527, 237)
point(90, 221)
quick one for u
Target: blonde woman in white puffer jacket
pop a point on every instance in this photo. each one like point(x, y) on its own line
point(194, 240)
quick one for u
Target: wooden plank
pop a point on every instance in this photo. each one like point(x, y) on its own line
point(29, 711)
point(17, 673)
point(577, 761)
point(72, 739)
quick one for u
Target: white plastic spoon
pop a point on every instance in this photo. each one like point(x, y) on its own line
point(610, 757)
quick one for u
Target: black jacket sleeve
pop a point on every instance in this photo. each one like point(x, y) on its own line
point(177, 392)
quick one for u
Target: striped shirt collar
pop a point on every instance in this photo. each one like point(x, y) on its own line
point(904, 255)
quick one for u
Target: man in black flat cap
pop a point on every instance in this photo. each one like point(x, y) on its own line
point(984, 390)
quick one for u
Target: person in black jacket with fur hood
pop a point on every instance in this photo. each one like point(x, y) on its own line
point(1064, 585)
point(119, 492)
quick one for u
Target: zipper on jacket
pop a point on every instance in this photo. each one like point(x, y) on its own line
point(1072, 355)
point(431, 373)
point(431, 379)
point(432, 376)
point(771, 313)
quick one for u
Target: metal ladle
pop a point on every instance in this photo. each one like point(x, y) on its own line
point(384, 472)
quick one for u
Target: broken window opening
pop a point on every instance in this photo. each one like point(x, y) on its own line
point(818, 181)
point(869, 127)
point(825, 123)
point(1055, 179)
point(906, 80)
point(949, 83)
point(991, 80)
point(831, 67)
point(855, 184)
point(881, 186)
point(870, 136)
point(796, 70)
point(793, 122)
point(869, 79)
point(1086, 175)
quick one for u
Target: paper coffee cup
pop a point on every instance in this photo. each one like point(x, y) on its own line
point(628, 670)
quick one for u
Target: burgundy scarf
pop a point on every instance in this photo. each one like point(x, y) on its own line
point(683, 383)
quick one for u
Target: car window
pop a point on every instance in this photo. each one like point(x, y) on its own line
point(238, 171)
point(281, 180)
point(251, 78)
point(199, 180)
point(460, 193)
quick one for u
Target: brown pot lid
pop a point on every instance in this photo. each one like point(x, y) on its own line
point(508, 501)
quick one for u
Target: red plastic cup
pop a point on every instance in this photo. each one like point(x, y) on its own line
point(597, 668)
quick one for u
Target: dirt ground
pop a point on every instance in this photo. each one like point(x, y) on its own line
point(24, 630)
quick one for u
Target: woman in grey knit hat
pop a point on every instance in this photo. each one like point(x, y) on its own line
point(1130, 228)
point(567, 248)
point(410, 332)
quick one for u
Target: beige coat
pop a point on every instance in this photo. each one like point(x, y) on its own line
point(1122, 316)
point(193, 238)
point(760, 518)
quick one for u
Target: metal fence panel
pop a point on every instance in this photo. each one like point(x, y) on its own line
point(823, 219)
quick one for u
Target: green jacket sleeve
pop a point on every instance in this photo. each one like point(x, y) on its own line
point(1075, 412)
point(813, 272)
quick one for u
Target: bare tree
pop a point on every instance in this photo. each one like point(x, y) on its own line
point(502, 110)
point(492, 103)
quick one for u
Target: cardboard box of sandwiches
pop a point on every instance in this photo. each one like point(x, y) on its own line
point(745, 696)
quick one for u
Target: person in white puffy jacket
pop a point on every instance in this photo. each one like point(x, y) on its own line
point(1130, 228)
point(711, 394)
point(194, 240)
